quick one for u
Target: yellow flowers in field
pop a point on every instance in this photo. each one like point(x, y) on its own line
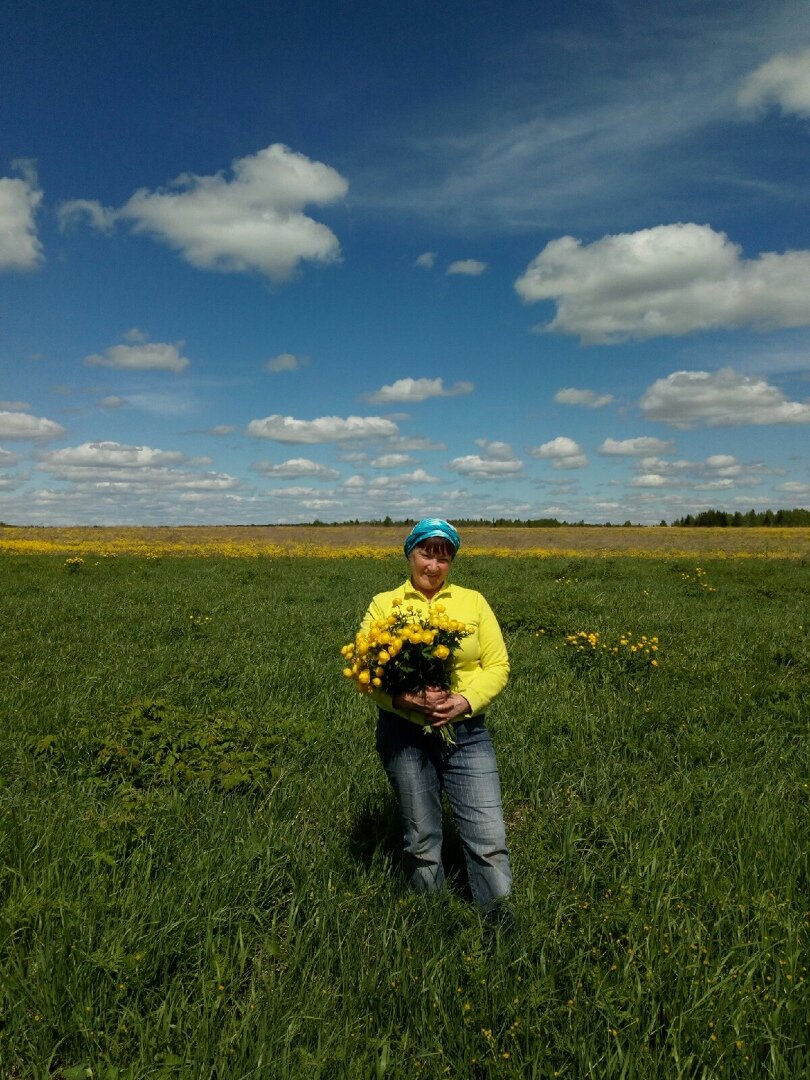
point(591, 650)
point(369, 542)
point(698, 580)
point(404, 651)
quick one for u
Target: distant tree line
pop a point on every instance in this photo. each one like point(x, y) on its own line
point(753, 518)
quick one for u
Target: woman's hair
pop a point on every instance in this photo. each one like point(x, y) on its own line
point(436, 545)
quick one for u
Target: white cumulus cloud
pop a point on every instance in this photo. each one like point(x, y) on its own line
point(427, 260)
point(649, 480)
point(478, 467)
point(667, 280)
point(784, 81)
point(145, 356)
point(295, 467)
point(119, 469)
point(252, 221)
point(110, 455)
point(415, 390)
point(323, 429)
point(391, 461)
point(496, 459)
point(589, 398)
point(21, 425)
point(406, 444)
point(20, 197)
point(467, 267)
point(72, 213)
point(562, 452)
point(286, 362)
point(639, 447)
point(722, 398)
point(496, 450)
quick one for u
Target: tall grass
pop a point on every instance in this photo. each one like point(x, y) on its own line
point(156, 924)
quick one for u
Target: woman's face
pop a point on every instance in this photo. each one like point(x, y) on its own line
point(430, 565)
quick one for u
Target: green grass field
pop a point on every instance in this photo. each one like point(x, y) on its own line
point(199, 870)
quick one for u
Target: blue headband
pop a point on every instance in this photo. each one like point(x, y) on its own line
point(432, 527)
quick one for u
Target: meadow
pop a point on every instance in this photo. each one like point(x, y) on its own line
point(199, 868)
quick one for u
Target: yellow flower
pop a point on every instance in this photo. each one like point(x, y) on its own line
point(441, 652)
point(364, 677)
point(347, 671)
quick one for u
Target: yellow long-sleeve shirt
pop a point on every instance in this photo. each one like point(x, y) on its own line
point(480, 663)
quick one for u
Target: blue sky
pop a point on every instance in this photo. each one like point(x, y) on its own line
point(272, 262)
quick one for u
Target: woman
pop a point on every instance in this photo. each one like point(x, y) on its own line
point(418, 761)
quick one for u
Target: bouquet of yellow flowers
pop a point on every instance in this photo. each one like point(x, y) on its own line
point(404, 652)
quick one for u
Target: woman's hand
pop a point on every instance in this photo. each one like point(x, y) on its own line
point(423, 701)
point(453, 706)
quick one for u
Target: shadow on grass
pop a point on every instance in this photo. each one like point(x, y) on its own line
point(375, 835)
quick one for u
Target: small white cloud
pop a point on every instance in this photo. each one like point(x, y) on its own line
point(295, 467)
point(324, 429)
point(784, 81)
point(495, 450)
point(220, 430)
point(20, 198)
point(392, 484)
point(145, 356)
point(427, 260)
point(722, 398)
point(110, 455)
point(162, 404)
point(639, 447)
point(418, 476)
point(721, 484)
point(286, 362)
point(467, 267)
point(20, 425)
point(293, 492)
point(391, 461)
point(589, 398)
point(112, 401)
point(415, 390)
point(649, 480)
point(135, 336)
point(478, 467)
point(723, 463)
point(120, 470)
point(497, 459)
point(564, 453)
point(72, 213)
point(15, 406)
point(668, 280)
point(407, 444)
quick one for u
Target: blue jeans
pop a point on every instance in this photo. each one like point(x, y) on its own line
point(420, 766)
